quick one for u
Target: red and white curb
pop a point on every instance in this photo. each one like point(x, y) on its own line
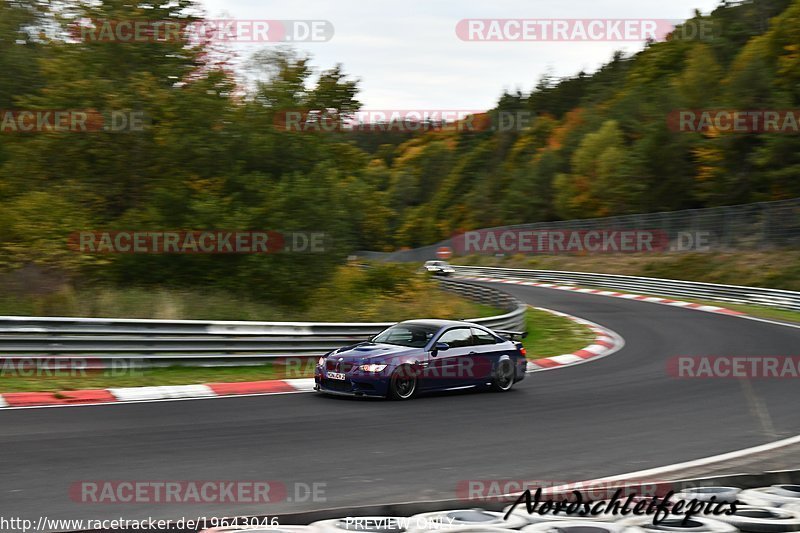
point(146, 394)
point(627, 296)
point(605, 343)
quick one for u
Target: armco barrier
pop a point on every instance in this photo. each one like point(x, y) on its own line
point(778, 298)
point(142, 343)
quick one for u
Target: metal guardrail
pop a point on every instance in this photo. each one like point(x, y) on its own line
point(143, 343)
point(778, 298)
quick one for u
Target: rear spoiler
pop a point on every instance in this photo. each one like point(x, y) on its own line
point(511, 334)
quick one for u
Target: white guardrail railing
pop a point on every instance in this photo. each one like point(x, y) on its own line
point(781, 299)
point(107, 342)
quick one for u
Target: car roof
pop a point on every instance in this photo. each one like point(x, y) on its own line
point(438, 323)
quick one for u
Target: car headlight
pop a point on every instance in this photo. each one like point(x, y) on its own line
point(321, 361)
point(372, 368)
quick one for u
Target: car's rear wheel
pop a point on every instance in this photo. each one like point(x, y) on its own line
point(402, 384)
point(503, 376)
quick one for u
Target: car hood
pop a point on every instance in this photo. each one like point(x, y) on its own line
point(371, 351)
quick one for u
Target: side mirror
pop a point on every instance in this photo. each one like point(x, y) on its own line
point(439, 347)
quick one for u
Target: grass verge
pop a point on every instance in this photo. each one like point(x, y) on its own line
point(550, 335)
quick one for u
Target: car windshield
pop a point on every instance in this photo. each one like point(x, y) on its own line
point(411, 335)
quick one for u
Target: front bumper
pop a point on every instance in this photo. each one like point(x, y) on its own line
point(354, 384)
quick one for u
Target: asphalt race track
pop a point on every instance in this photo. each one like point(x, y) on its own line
point(614, 415)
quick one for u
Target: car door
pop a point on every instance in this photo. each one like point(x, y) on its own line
point(486, 351)
point(452, 367)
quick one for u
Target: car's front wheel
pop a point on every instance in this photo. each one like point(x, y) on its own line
point(503, 375)
point(402, 384)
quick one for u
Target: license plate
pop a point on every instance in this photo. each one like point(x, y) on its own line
point(336, 375)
